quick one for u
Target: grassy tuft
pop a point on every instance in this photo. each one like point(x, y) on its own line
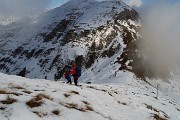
point(37, 100)
point(157, 117)
point(71, 105)
point(75, 106)
point(26, 91)
point(8, 100)
point(34, 103)
point(3, 91)
point(18, 87)
point(41, 113)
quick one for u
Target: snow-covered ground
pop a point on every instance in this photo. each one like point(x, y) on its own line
point(35, 99)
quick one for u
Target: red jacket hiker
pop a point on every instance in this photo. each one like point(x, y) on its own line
point(73, 72)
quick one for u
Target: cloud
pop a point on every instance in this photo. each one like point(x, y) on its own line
point(161, 38)
point(133, 3)
point(22, 7)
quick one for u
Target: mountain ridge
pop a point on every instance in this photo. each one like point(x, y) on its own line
point(70, 33)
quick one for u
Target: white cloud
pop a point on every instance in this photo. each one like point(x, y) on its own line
point(161, 36)
point(133, 3)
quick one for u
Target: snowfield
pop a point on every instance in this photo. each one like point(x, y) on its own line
point(35, 99)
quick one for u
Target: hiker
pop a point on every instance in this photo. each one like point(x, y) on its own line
point(76, 72)
point(68, 74)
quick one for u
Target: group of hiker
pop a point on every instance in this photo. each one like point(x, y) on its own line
point(72, 71)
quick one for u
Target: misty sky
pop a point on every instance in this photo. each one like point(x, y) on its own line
point(31, 7)
point(56, 3)
point(23, 7)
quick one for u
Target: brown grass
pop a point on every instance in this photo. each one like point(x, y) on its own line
point(71, 105)
point(151, 108)
point(37, 100)
point(8, 100)
point(26, 91)
point(8, 92)
point(70, 92)
point(42, 95)
point(33, 103)
point(3, 91)
point(157, 117)
point(88, 107)
point(75, 106)
point(41, 113)
point(18, 87)
point(15, 93)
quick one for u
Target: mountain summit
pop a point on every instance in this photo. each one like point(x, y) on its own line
point(95, 35)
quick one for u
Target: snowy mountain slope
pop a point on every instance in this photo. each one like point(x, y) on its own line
point(81, 31)
point(43, 100)
point(170, 88)
point(7, 20)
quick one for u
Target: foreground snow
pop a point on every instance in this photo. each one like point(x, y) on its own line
point(133, 100)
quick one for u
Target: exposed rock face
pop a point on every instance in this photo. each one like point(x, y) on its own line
point(82, 31)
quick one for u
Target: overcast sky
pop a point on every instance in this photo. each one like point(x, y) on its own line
point(23, 7)
point(26, 7)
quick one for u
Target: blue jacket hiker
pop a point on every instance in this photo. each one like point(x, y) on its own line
point(68, 76)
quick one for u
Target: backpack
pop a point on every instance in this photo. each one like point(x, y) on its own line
point(78, 71)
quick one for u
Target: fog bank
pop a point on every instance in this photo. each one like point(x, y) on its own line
point(161, 38)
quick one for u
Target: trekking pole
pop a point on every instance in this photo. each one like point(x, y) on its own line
point(157, 90)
